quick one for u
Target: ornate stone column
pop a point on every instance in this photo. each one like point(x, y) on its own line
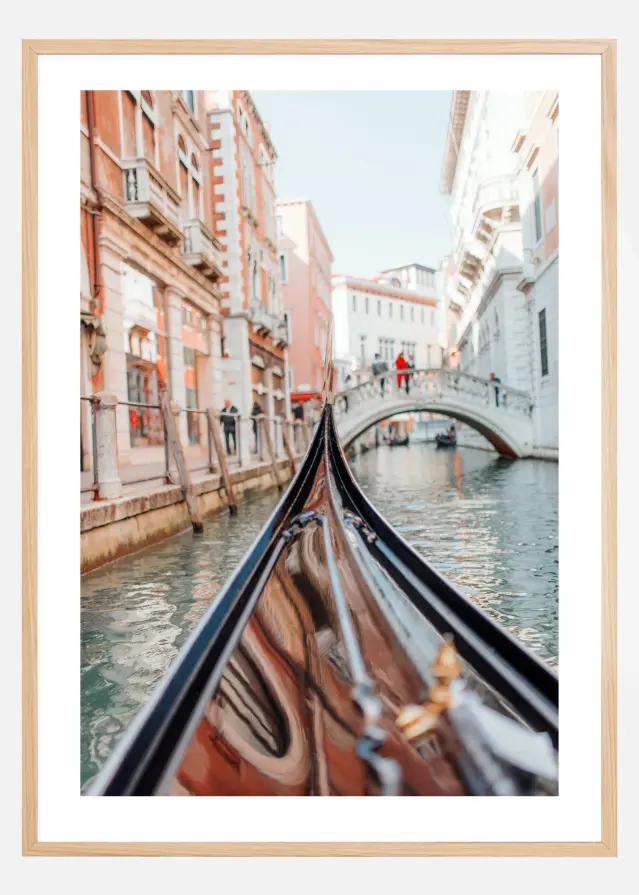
point(109, 484)
point(175, 353)
point(113, 253)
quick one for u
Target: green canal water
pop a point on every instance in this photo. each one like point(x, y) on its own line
point(487, 524)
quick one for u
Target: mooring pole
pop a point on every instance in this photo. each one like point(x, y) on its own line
point(170, 412)
point(271, 451)
point(216, 439)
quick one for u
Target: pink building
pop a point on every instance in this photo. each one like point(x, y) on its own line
point(305, 268)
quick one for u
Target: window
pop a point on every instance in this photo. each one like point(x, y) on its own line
point(401, 312)
point(201, 323)
point(191, 398)
point(390, 308)
point(362, 349)
point(189, 99)
point(379, 307)
point(283, 268)
point(189, 180)
point(422, 315)
point(354, 299)
point(189, 357)
point(537, 206)
point(187, 316)
point(412, 313)
point(366, 305)
point(543, 342)
point(280, 226)
point(138, 125)
point(290, 379)
point(257, 283)
point(432, 318)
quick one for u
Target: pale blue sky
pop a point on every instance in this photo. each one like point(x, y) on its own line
point(370, 162)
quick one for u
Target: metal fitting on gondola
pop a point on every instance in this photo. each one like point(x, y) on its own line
point(359, 523)
point(419, 722)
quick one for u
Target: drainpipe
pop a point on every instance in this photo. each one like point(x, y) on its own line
point(95, 212)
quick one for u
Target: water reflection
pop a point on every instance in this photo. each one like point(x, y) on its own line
point(488, 524)
point(137, 613)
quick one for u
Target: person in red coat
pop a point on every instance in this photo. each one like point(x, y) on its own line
point(402, 378)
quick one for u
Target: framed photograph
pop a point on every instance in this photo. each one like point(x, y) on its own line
point(327, 356)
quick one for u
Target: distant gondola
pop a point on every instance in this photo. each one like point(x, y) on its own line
point(399, 442)
point(337, 661)
point(445, 440)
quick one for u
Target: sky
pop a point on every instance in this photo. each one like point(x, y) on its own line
point(370, 162)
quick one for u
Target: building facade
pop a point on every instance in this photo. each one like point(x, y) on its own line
point(150, 262)
point(538, 154)
point(256, 336)
point(391, 313)
point(502, 219)
point(305, 270)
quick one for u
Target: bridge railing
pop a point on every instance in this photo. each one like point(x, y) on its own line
point(437, 383)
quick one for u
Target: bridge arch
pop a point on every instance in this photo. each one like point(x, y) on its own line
point(506, 443)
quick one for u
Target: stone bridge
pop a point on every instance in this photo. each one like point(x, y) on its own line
point(504, 417)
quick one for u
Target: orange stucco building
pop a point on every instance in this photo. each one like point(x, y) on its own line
point(256, 331)
point(151, 264)
point(305, 265)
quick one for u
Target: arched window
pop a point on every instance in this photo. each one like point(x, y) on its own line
point(137, 136)
point(183, 176)
point(189, 180)
point(195, 186)
point(257, 292)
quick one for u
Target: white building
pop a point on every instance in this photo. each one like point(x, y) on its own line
point(396, 311)
point(538, 154)
point(487, 161)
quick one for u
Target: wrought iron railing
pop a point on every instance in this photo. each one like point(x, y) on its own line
point(197, 433)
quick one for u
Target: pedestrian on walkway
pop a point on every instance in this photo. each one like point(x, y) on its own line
point(229, 424)
point(380, 366)
point(402, 378)
point(256, 411)
point(495, 379)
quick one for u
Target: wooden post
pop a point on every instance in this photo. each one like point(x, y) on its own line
point(271, 452)
point(287, 445)
point(216, 438)
point(173, 436)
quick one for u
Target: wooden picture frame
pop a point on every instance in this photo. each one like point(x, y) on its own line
point(32, 49)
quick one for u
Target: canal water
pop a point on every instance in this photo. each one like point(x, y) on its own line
point(487, 524)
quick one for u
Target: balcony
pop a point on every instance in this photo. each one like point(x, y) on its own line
point(281, 335)
point(150, 199)
point(497, 196)
point(202, 250)
point(266, 323)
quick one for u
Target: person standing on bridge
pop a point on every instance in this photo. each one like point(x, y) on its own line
point(495, 379)
point(348, 383)
point(380, 366)
point(227, 418)
point(402, 378)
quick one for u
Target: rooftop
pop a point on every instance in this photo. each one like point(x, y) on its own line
point(405, 266)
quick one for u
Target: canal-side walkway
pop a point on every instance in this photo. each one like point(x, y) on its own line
point(146, 514)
